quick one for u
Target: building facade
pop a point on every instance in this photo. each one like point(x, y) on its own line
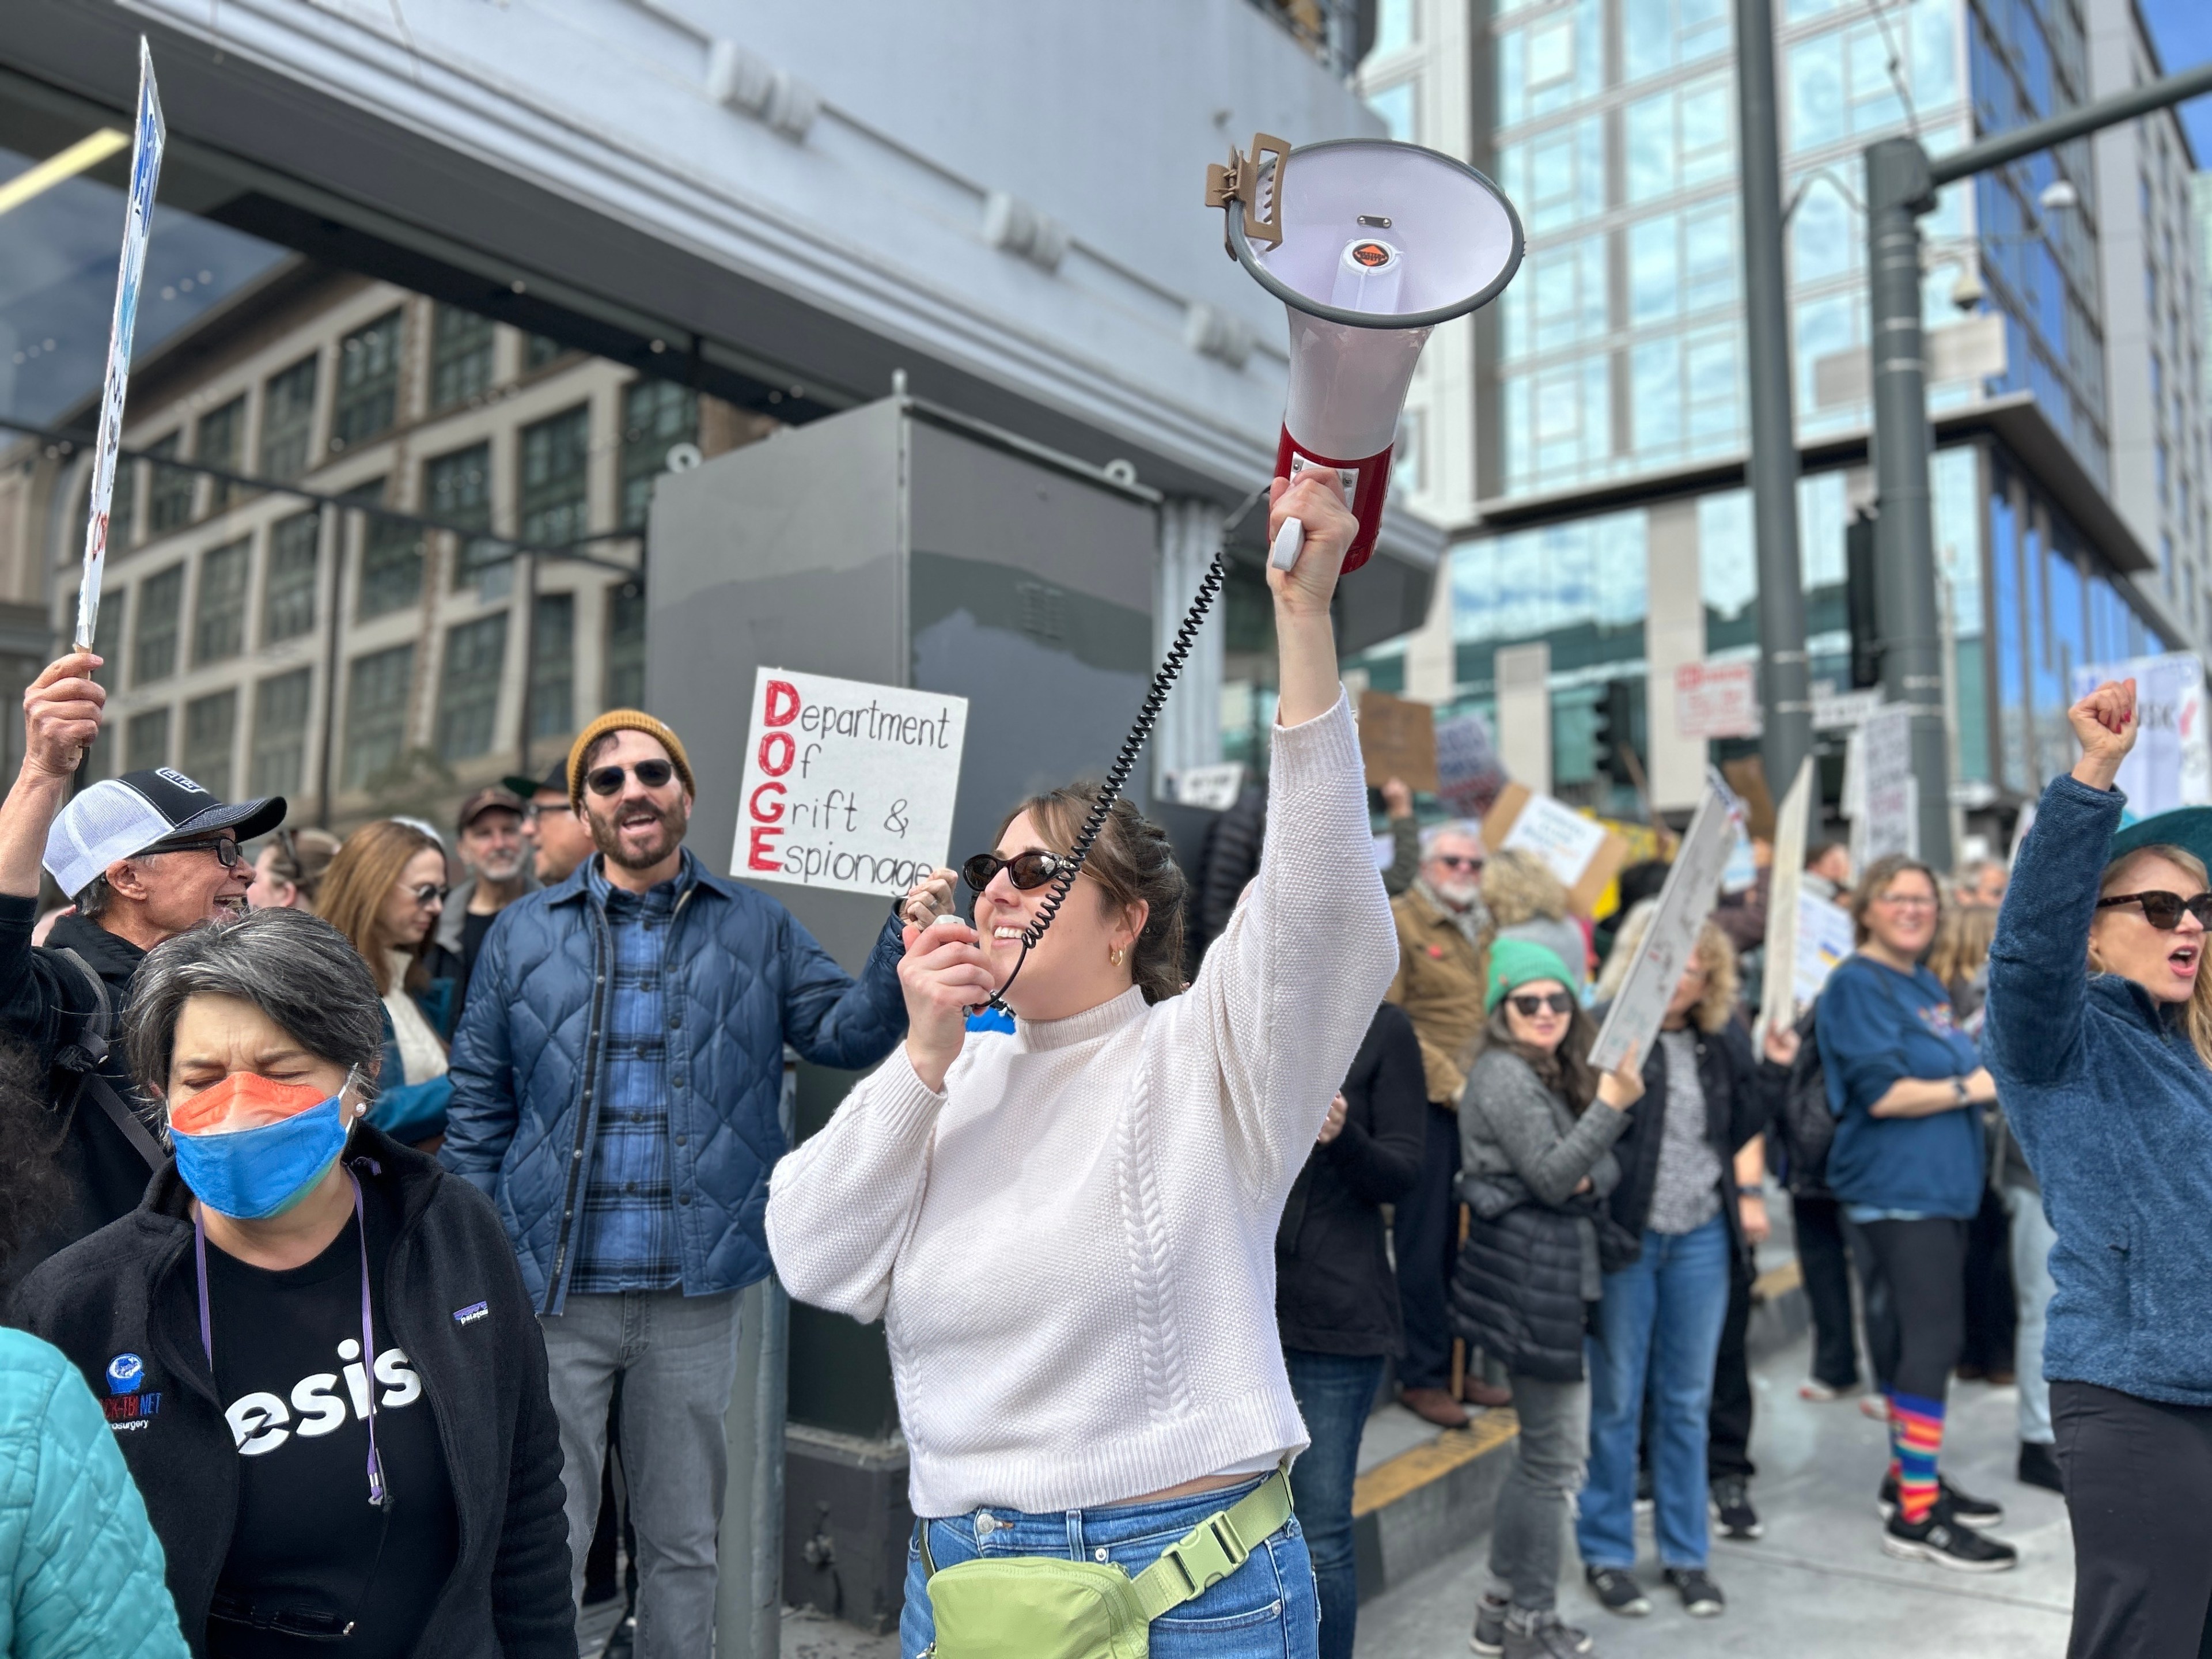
point(1595, 416)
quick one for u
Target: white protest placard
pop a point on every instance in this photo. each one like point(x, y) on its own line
point(1824, 939)
point(849, 786)
point(2171, 764)
point(1886, 815)
point(1560, 835)
point(1213, 787)
point(1777, 1002)
point(1469, 773)
point(1715, 699)
point(1693, 883)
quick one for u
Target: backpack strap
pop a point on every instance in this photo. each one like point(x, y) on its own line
point(84, 1056)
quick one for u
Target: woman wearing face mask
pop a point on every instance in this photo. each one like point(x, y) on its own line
point(1537, 1132)
point(1907, 1165)
point(2105, 1081)
point(384, 891)
point(314, 1345)
point(1069, 1230)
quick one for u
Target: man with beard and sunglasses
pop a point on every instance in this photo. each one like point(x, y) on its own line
point(617, 1078)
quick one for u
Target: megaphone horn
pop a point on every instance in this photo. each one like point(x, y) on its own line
point(1378, 243)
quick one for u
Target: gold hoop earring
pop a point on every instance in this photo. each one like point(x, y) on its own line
point(1115, 955)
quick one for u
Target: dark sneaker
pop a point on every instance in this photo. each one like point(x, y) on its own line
point(1945, 1543)
point(2038, 1467)
point(1489, 1635)
point(1962, 1506)
point(1732, 1510)
point(1617, 1587)
point(1701, 1597)
point(1545, 1636)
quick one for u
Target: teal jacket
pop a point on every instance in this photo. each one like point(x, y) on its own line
point(81, 1571)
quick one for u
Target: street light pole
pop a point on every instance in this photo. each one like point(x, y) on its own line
point(1785, 685)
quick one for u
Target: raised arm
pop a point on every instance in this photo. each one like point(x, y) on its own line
point(2039, 968)
point(61, 718)
point(1504, 1098)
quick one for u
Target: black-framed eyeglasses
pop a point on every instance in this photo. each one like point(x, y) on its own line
point(1027, 871)
point(2163, 910)
point(608, 779)
point(225, 849)
point(1458, 861)
point(1530, 1003)
point(428, 894)
point(538, 810)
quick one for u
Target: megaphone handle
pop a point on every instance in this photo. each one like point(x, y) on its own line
point(1285, 553)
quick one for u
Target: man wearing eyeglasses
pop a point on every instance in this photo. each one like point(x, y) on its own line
point(142, 857)
point(559, 838)
point(617, 1082)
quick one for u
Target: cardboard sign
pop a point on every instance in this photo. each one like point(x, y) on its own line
point(1582, 852)
point(849, 786)
point(1398, 740)
point(1693, 887)
point(2171, 764)
point(1468, 774)
point(1715, 699)
point(1777, 1004)
point(1824, 939)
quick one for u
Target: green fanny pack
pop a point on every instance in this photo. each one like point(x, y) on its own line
point(1038, 1606)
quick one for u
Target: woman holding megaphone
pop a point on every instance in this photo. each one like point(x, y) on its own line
point(1069, 1233)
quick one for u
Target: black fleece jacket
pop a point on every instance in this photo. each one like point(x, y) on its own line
point(1742, 1094)
point(129, 1289)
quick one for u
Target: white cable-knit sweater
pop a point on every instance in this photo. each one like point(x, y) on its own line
point(1073, 1248)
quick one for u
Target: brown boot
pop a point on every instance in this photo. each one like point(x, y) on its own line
point(1434, 1405)
point(1489, 1395)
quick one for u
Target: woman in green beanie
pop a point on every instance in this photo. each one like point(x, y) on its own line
point(1537, 1129)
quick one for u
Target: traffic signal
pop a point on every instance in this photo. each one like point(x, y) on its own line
point(1859, 607)
point(1614, 732)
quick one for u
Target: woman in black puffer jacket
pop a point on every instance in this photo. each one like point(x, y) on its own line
point(1536, 1130)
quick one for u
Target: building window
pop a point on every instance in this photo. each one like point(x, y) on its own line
point(1559, 300)
point(391, 559)
point(169, 494)
point(1680, 139)
point(146, 741)
point(288, 601)
point(220, 443)
point(460, 356)
point(280, 733)
point(553, 666)
point(541, 349)
point(626, 647)
point(457, 490)
point(368, 382)
point(657, 415)
point(211, 725)
point(1395, 105)
point(1558, 176)
point(153, 652)
point(1662, 33)
point(376, 713)
point(468, 688)
point(556, 457)
point(122, 505)
point(219, 608)
point(288, 420)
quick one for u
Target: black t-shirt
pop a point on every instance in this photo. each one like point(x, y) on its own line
point(307, 1541)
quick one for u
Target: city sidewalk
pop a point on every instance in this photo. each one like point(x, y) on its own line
point(1817, 1586)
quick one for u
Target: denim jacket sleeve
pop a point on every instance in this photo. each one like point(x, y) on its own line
point(2038, 980)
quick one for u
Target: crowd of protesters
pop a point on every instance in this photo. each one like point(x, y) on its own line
point(390, 1193)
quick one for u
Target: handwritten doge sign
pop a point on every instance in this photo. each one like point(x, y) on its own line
point(848, 785)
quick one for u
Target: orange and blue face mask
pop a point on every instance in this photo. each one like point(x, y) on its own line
point(251, 1148)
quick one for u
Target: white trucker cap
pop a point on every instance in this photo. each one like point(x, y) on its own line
point(117, 817)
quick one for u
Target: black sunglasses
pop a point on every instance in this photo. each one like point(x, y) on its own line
point(608, 779)
point(1457, 861)
point(2163, 910)
point(1530, 1005)
point(224, 849)
point(428, 893)
point(1027, 871)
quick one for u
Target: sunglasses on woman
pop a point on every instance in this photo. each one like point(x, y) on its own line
point(428, 894)
point(608, 779)
point(2163, 910)
point(1027, 871)
point(1529, 1004)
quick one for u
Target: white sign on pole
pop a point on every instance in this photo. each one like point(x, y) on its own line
point(1776, 1003)
point(1213, 787)
point(1563, 838)
point(2171, 764)
point(849, 786)
point(148, 139)
point(1824, 939)
point(1889, 816)
point(1841, 711)
point(1716, 700)
point(1693, 889)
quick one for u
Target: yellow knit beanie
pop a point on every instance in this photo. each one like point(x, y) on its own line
point(626, 720)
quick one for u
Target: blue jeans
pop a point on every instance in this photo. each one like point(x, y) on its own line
point(1663, 1315)
point(1264, 1610)
point(1334, 1393)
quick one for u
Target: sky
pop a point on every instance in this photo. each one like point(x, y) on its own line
point(2183, 29)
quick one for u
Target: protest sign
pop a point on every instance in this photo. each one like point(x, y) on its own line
point(1468, 773)
point(1693, 883)
point(1883, 800)
point(1776, 1003)
point(1824, 939)
point(1715, 699)
point(1398, 740)
point(1213, 787)
point(1580, 851)
point(848, 786)
point(2171, 764)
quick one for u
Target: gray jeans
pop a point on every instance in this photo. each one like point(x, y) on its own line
point(2032, 1239)
point(677, 1358)
point(1528, 1537)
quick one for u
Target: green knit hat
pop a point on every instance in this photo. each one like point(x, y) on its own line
point(1515, 963)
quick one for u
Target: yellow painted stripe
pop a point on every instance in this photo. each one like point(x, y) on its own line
point(1777, 1282)
point(87, 152)
point(1386, 1483)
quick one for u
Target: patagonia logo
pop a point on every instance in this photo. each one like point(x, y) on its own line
point(473, 1312)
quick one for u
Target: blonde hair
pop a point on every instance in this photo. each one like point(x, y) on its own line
point(359, 879)
point(2198, 1018)
point(1715, 954)
point(1517, 886)
point(1962, 943)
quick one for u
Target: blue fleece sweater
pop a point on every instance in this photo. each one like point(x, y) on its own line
point(2114, 1110)
point(1877, 1027)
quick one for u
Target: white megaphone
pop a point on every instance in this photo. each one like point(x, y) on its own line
point(1370, 244)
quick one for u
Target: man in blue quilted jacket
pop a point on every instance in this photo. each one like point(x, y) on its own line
point(616, 1078)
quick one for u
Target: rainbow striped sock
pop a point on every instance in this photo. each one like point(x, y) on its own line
point(1916, 1438)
